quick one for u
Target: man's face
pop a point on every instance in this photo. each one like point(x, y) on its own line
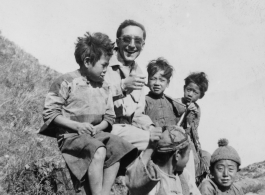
point(224, 172)
point(157, 83)
point(97, 71)
point(130, 43)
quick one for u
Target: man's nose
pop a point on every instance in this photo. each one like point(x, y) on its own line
point(132, 43)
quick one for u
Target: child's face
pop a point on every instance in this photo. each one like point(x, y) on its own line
point(182, 160)
point(97, 72)
point(192, 92)
point(224, 172)
point(157, 83)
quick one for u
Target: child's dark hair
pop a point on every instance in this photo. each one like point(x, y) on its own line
point(93, 46)
point(200, 79)
point(160, 64)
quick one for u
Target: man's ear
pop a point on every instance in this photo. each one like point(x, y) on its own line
point(117, 42)
point(143, 46)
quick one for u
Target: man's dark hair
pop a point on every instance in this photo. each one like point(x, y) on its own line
point(93, 46)
point(160, 64)
point(130, 23)
point(200, 79)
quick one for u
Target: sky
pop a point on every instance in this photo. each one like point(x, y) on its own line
point(223, 38)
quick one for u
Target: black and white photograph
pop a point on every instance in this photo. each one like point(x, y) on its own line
point(143, 97)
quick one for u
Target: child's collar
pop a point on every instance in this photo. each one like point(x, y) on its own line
point(218, 187)
point(160, 96)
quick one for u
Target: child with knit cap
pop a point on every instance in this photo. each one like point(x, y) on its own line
point(160, 169)
point(225, 163)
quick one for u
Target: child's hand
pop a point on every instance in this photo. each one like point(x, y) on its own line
point(85, 128)
point(193, 107)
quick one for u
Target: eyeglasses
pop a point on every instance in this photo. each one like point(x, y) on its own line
point(138, 41)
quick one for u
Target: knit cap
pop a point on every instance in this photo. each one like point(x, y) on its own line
point(173, 138)
point(225, 152)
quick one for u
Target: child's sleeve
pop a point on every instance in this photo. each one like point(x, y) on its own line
point(141, 178)
point(53, 104)
point(110, 113)
point(196, 123)
point(206, 188)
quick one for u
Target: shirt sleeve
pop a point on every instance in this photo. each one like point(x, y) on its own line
point(196, 122)
point(116, 87)
point(193, 120)
point(141, 178)
point(54, 102)
point(110, 113)
point(140, 119)
point(206, 188)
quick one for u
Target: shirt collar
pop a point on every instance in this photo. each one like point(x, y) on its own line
point(82, 79)
point(117, 60)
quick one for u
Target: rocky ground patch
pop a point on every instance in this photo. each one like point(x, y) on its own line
point(252, 178)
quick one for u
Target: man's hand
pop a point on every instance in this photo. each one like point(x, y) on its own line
point(193, 107)
point(155, 136)
point(85, 128)
point(133, 82)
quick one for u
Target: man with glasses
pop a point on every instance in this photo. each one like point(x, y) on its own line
point(126, 81)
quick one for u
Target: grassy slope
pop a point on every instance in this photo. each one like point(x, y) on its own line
point(23, 86)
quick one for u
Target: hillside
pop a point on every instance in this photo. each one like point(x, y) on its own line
point(252, 178)
point(23, 86)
